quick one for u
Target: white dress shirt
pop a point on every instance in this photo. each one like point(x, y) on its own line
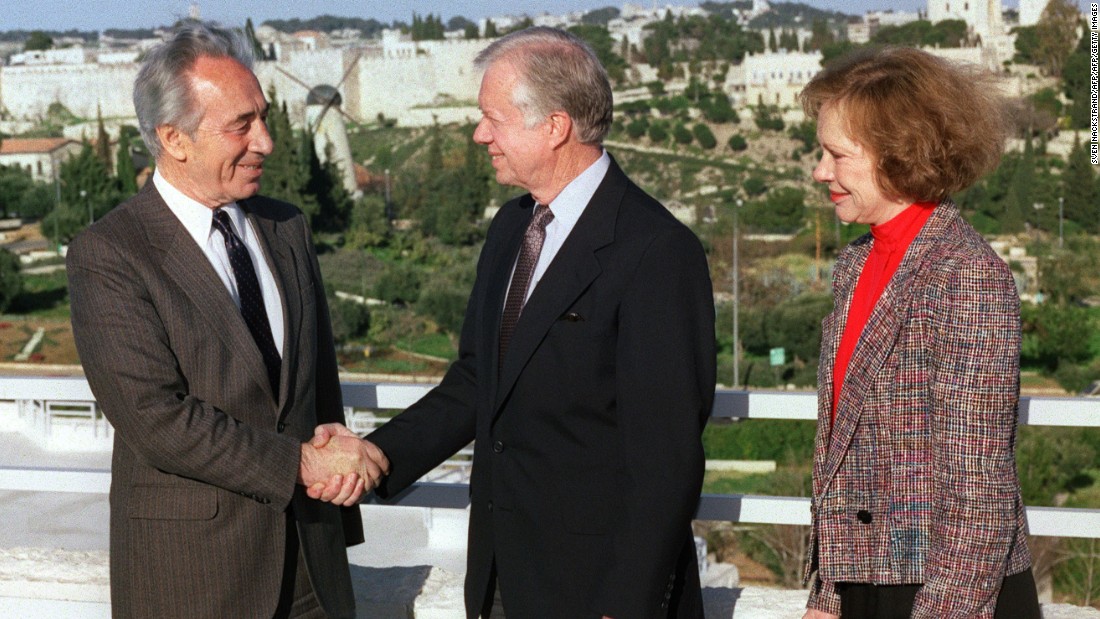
point(198, 220)
point(567, 209)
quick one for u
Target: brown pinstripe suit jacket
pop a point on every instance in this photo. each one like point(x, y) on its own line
point(916, 482)
point(206, 456)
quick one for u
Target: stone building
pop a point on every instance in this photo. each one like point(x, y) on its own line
point(38, 156)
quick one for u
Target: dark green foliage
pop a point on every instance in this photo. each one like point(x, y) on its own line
point(711, 38)
point(717, 109)
point(1027, 45)
point(1049, 460)
point(350, 319)
point(598, 37)
point(445, 305)
point(11, 281)
point(782, 440)
point(704, 136)
point(754, 186)
point(637, 128)
point(947, 33)
point(38, 41)
point(737, 143)
point(88, 191)
point(806, 133)
point(658, 133)
point(250, 35)
point(767, 117)
point(600, 17)
point(782, 211)
point(681, 134)
point(21, 196)
point(368, 226)
point(398, 283)
point(427, 28)
point(1079, 190)
point(328, 23)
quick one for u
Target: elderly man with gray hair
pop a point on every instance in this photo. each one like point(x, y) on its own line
point(586, 364)
point(200, 318)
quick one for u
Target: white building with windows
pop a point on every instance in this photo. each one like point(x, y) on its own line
point(773, 78)
point(37, 156)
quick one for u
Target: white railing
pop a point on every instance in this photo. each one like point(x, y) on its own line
point(1035, 411)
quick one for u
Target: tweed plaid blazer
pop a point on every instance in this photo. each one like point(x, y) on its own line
point(916, 482)
point(206, 455)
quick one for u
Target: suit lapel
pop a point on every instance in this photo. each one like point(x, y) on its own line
point(881, 332)
point(570, 273)
point(188, 267)
point(280, 259)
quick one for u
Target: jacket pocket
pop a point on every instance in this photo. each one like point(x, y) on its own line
point(173, 503)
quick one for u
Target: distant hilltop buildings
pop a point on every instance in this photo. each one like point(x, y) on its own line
point(417, 82)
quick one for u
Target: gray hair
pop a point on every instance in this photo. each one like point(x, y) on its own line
point(162, 89)
point(558, 71)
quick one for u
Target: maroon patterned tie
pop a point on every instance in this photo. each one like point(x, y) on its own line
point(521, 279)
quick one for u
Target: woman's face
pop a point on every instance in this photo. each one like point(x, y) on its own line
point(849, 170)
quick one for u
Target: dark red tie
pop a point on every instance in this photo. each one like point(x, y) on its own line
point(252, 300)
point(521, 279)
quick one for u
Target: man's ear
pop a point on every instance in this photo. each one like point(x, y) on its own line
point(175, 143)
point(560, 128)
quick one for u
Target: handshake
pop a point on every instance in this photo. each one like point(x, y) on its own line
point(338, 467)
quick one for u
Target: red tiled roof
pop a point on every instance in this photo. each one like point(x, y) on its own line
point(31, 145)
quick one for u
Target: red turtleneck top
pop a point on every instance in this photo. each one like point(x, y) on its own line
point(891, 241)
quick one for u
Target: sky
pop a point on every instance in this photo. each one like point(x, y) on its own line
point(102, 14)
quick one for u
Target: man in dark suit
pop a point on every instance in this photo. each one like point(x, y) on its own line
point(200, 318)
point(587, 410)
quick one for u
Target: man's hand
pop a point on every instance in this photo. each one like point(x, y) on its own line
point(812, 613)
point(337, 466)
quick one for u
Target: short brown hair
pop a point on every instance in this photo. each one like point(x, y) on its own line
point(933, 126)
point(558, 71)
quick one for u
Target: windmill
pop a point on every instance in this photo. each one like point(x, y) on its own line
point(329, 129)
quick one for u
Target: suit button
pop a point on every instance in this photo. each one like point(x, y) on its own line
point(498, 446)
point(490, 506)
point(281, 426)
point(864, 516)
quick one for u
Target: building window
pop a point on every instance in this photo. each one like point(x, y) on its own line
point(947, 8)
point(966, 6)
point(40, 168)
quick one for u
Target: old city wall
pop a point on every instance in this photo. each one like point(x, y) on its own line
point(398, 81)
point(27, 92)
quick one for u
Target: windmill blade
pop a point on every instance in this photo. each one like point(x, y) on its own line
point(293, 78)
point(347, 72)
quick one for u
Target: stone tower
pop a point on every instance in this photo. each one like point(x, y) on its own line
point(1030, 10)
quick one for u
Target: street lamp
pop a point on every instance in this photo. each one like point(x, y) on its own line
point(83, 198)
point(1061, 219)
point(736, 293)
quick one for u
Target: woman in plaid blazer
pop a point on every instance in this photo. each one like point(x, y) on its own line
point(916, 502)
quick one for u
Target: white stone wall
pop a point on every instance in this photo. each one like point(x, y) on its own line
point(26, 92)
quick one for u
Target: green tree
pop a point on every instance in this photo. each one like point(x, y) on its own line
point(368, 226)
point(1027, 45)
point(102, 140)
point(681, 134)
point(658, 133)
point(1082, 204)
point(124, 169)
point(737, 143)
point(11, 280)
point(350, 319)
point(88, 191)
point(38, 41)
point(250, 34)
point(491, 29)
point(604, 46)
point(704, 136)
point(1019, 200)
point(1056, 34)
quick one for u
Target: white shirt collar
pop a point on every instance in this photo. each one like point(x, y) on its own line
point(570, 203)
point(197, 218)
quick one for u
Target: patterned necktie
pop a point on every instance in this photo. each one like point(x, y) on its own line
point(252, 300)
point(521, 279)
